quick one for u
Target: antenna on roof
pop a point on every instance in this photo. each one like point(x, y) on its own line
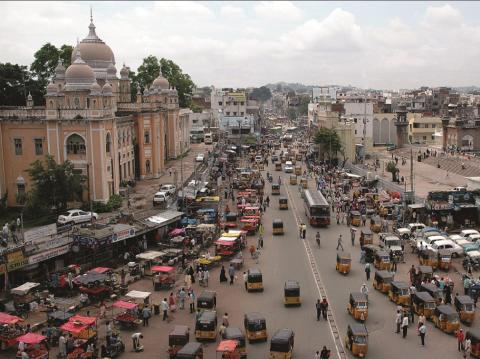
point(91, 16)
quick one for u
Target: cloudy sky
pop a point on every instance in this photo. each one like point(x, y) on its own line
point(367, 44)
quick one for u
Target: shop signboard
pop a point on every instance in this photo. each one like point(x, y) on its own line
point(55, 252)
point(123, 234)
point(16, 260)
point(46, 244)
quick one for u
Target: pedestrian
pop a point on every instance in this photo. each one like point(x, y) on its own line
point(325, 353)
point(245, 280)
point(182, 295)
point(460, 339)
point(324, 308)
point(340, 242)
point(103, 309)
point(422, 331)
point(146, 314)
point(62, 346)
point(404, 326)
point(304, 230)
point(223, 277)
point(352, 236)
point(367, 270)
point(398, 321)
point(225, 321)
point(364, 219)
point(318, 306)
point(231, 273)
point(206, 276)
point(172, 304)
point(164, 307)
point(467, 346)
point(191, 300)
point(317, 355)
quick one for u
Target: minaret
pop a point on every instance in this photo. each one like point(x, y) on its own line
point(402, 126)
point(29, 100)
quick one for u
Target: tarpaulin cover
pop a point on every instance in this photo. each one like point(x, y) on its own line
point(177, 232)
point(83, 320)
point(9, 319)
point(227, 346)
point(100, 270)
point(224, 243)
point(162, 268)
point(31, 338)
point(124, 305)
point(74, 328)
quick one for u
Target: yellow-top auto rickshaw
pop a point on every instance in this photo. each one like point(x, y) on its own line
point(292, 293)
point(278, 166)
point(423, 303)
point(207, 300)
point(375, 224)
point(434, 291)
point(281, 344)
point(283, 203)
point(298, 170)
point(277, 226)
point(356, 218)
point(444, 259)
point(357, 339)
point(344, 262)
point(275, 189)
point(382, 260)
point(235, 333)
point(382, 281)
point(367, 235)
point(446, 319)
point(425, 273)
point(255, 327)
point(254, 280)
point(206, 325)
point(474, 336)
point(304, 182)
point(191, 350)
point(429, 258)
point(358, 306)
point(177, 338)
point(399, 293)
point(465, 306)
point(293, 180)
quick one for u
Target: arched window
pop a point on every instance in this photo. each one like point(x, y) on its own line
point(147, 136)
point(147, 166)
point(108, 143)
point(75, 145)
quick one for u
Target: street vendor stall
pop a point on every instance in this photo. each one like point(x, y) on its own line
point(35, 346)
point(149, 259)
point(9, 330)
point(84, 331)
point(24, 294)
point(127, 317)
point(97, 282)
point(164, 277)
point(139, 297)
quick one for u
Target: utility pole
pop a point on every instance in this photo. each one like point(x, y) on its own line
point(411, 175)
point(181, 177)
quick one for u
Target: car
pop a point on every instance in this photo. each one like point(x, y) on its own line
point(415, 227)
point(160, 198)
point(200, 157)
point(288, 167)
point(472, 247)
point(426, 242)
point(448, 244)
point(76, 216)
point(274, 158)
point(258, 159)
point(465, 233)
point(170, 188)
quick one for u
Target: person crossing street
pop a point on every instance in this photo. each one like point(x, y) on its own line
point(340, 242)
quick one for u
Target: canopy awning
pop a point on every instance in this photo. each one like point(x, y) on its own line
point(31, 338)
point(136, 294)
point(100, 270)
point(164, 269)
point(9, 319)
point(24, 288)
point(227, 346)
point(224, 243)
point(83, 320)
point(124, 305)
point(73, 327)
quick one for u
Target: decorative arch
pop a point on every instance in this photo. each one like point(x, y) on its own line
point(75, 144)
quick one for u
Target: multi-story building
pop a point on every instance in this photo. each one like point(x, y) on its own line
point(239, 129)
point(229, 102)
point(423, 129)
point(360, 112)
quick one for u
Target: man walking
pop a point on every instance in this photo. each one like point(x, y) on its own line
point(146, 314)
point(422, 331)
point(245, 280)
point(404, 326)
point(460, 338)
point(164, 306)
point(231, 273)
point(352, 236)
point(324, 308)
point(398, 321)
point(318, 306)
point(367, 271)
point(340, 242)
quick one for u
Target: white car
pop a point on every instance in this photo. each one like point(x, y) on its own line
point(170, 188)
point(76, 216)
point(427, 242)
point(258, 159)
point(200, 157)
point(160, 198)
point(468, 232)
point(455, 249)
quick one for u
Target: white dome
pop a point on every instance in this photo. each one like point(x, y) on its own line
point(107, 89)
point(79, 76)
point(95, 89)
point(51, 89)
point(161, 82)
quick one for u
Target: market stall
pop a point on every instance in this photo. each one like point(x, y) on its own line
point(24, 295)
point(35, 346)
point(164, 277)
point(84, 331)
point(149, 259)
point(97, 282)
point(9, 330)
point(127, 317)
point(139, 297)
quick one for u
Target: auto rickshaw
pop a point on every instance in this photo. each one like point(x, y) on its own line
point(358, 306)
point(465, 307)
point(255, 327)
point(277, 226)
point(423, 303)
point(254, 280)
point(382, 260)
point(228, 349)
point(298, 170)
point(474, 336)
point(235, 333)
point(304, 182)
point(446, 319)
point(425, 273)
point(370, 250)
point(292, 293)
point(429, 258)
point(281, 344)
point(444, 259)
point(375, 224)
point(275, 189)
point(177, 338)
point(293, 180)
point(399, 293)
point(344, 262)
point(434, 291)
point(278, 166)
point(382, 281)
point(191, 350)
point(283, 203)
point(357, 339)
point(207, 300)
point(356, 218)
point(367, 236)
point(231, 220)
point(206, 325)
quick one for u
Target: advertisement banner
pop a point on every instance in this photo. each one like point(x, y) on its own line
point(123, 234)
point(54, 242)
point(16, 260)
point(40, 257)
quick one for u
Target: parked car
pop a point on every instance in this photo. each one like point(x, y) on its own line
point(200, 157)
point(428, 241)
point(160, 198)
point(76, 216)
point(465, 233)
point(448, 244)
point(170, 188)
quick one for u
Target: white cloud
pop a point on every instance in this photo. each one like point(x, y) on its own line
point(443, 16)
point(277, 11)
point(230, 11)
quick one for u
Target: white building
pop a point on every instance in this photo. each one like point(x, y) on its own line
point(360, 113)
point(238, 128)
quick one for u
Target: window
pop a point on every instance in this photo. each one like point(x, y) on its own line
point(228, 113)
point(219, 103)
point(18, 146)
point(77, 102)
point(355, 131)
point(147, 137)
point(235, 113)
point(433, 138)
point(355, 120)
point(235, 103)
point(75, 145)
point(20, 193)
point(147, 166)
point(424, 138)
point(241, 113)
point(38, 146)
point(242, 103)
point(434, 125)
point(108, 143)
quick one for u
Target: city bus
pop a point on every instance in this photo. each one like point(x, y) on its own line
point(317, 208)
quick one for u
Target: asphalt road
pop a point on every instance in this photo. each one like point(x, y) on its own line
point(285, 257)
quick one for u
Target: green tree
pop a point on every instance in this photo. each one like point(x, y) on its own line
point(47, 58)
point(16, 83)
point(146, 73)
point(329, 141)
point(392, 168)
point(54, 184)
point(261, 94)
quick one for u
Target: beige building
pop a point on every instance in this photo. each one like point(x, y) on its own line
point(89, 119)
point(423, 129)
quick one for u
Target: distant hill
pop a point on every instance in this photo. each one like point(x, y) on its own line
point(467, 89)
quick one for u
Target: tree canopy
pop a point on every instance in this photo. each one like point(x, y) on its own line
point(54, 184)
point(15, 84)
point(329, 140)
point(261, 94)
point(150, 69)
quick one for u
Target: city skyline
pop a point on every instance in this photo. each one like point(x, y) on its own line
point(241, 44)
